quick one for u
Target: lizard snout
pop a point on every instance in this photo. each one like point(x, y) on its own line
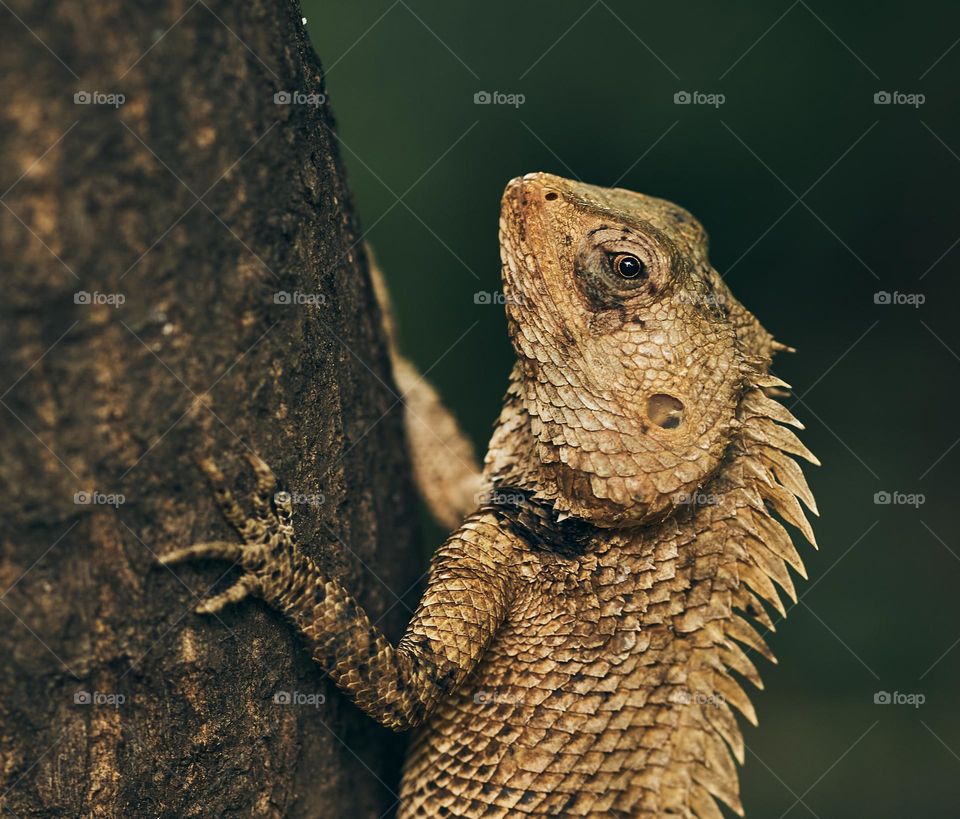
point(532, 189)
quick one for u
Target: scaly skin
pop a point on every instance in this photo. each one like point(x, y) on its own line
point(573, 654)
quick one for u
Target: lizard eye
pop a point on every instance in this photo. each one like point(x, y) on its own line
point(628, 266)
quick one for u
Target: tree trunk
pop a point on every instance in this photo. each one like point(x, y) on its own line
point(146, 242)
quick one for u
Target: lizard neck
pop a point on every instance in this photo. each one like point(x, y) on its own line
point(757, 472)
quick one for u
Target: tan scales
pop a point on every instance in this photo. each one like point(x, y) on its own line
point(580, 645)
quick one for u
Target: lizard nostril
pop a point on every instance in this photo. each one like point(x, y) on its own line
point(665, 410)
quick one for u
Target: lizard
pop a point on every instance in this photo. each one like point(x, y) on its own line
point(575, 650)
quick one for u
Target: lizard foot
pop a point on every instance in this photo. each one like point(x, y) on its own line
point(266, 535)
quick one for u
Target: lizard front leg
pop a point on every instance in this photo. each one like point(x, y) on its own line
point(444, 462)
point(465, 602)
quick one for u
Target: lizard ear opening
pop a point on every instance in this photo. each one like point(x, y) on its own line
point(665, 410)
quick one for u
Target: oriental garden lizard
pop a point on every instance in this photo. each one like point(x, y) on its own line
point(575, 649)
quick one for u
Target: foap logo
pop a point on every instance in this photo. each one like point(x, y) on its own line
point(697, 498)
point(498, 98)
point(914, 499)
point(96, 297)
point(284, 498)
point(98, 98)
point(497, 497)
point(898, 98)
point(92, 497)
point(497, 297)
point(898, 698)
point(298, 98)
point(298, 298)
point(495, 698)
point(299, 698)
point(98, 698)
point(698, 98)
point(897, 298)
point(703, 299)
point(686, 697)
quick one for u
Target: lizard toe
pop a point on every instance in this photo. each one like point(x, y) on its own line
point(215, 549)
point(244, 587)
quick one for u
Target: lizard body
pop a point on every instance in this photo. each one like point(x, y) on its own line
point(574, 652)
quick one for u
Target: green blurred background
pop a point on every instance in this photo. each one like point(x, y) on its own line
point(878, 382)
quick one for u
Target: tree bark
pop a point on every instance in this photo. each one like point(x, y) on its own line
point(143, 243)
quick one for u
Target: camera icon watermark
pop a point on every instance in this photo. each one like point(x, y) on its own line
point(109, 299)
point(914, 499)
point(98, 98)
point(299, 698)
point(898, 98)
point(495, 698)
point(898, 698)
point(687, 697)
point(699, 98)
point(299, 498)
point(498, 98)
point(98, 698)
point(93, 497)
point(298, 298)
point(914, 300)
point(298, 98)
point(497, 297)
point(697, 498)
point(497, 497)
point(704, 299)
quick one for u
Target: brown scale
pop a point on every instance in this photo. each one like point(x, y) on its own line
point(580, 647)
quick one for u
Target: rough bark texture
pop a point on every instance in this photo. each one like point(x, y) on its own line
point(115, 399)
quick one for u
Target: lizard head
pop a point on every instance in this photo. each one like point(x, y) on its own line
point(631, 351)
